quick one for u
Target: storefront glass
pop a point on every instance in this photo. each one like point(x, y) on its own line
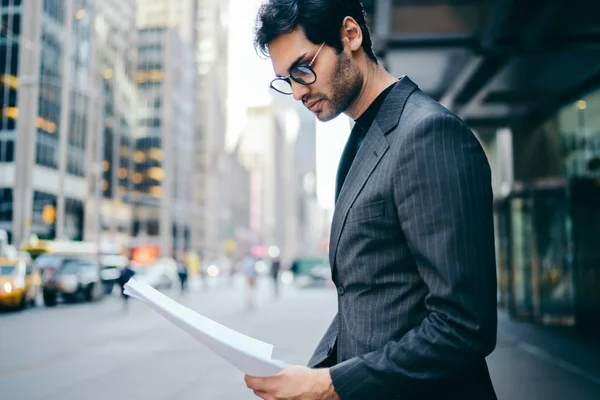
point(580, 133)
point(522, 258)
point(555, 271)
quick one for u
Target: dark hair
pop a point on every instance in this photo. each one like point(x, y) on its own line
point(321, 21)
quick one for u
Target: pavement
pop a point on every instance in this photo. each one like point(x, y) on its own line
point(98, 351)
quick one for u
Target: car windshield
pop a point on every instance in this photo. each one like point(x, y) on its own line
point(47, 261)
point(73, 267)
point(7, 270)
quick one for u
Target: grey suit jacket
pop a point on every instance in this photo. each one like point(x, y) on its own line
point(412, 256)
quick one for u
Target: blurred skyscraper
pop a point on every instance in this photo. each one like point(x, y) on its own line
point(211, 160)
point(45, 55)
point(277, 146)
point(111, 179)
point(201, 24)
point(299, 215)
point(234, 229)
point(177, 14)
point(258, 148)
point(164, 141)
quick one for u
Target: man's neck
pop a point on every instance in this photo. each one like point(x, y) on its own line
point(376, 80)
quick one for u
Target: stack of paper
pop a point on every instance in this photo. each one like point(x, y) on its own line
point(249, 355)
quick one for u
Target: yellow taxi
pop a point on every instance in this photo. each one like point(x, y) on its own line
point(19, 283)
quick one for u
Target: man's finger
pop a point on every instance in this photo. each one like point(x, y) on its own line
point(262, 394)
point(254, 382)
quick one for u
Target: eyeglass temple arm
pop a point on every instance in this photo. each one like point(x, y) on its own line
point(285, 78)
point(315, 57)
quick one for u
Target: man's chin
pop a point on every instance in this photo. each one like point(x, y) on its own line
point(324, 116)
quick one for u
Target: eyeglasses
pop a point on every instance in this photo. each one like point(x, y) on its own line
point(303, 74)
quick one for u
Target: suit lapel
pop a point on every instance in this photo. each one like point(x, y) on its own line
point(373, 148)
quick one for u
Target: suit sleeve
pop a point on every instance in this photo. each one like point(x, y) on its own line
point(443, 197)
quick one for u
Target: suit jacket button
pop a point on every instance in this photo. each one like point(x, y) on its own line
point(341, 290)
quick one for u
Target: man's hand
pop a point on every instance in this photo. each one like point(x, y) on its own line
point(294, 383)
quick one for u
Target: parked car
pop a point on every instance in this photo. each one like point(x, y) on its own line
point(75, 279)
point(19, 283)
point(47, 264)
point(161, 274)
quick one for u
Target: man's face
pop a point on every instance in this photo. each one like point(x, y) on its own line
point(338, 80)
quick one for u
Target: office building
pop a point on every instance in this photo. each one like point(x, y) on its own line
point(112, 157)
point(211, 164)
point(164, 142)
point(45, 56)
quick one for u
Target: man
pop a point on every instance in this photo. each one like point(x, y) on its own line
point(182, 272)
point(126, 274)
point(412, 243)
point(249, 270)
point(275, 269)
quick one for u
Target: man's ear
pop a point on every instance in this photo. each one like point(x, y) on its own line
point(351, 34)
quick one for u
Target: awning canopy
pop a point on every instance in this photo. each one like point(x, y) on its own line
point(493, 62)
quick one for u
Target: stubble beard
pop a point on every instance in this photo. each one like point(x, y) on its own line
point(346, 84)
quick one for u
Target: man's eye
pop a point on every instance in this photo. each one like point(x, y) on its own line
point(303, 69)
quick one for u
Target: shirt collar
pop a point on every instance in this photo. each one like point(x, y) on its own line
point(367, 117)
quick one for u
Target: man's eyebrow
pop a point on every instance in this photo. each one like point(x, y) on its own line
point(294, 63)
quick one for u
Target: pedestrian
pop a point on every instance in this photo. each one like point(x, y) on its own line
point(412, 239)
point(182, 272)
point(275, 268)
point(126, 274)
point(249, 270)
point(232, 272)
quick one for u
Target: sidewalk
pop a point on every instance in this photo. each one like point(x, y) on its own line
point(532, 362)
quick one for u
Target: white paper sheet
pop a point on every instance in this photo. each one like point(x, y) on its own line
point(249, 355)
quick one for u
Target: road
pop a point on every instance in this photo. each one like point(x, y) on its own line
point(97, 351)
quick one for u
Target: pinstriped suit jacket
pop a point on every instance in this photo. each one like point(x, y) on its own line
point(412, 257)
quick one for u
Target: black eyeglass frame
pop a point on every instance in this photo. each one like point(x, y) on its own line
point(290, 76)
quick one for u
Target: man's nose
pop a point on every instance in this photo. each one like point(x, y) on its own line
point(299, 91)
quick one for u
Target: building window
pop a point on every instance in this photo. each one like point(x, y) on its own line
point(15, 3)
point(76, 161)
point(6, 204)
point(7, 151)
point(44, 228)
point(155, 191)
point(152, 227)
point(8, 69)
point(55, 9)
point(46, 150)
point(9, 114)
point(11, 25)
point(74, 212)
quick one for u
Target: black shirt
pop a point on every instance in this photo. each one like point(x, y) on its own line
point(359, 131)
point(364, 122)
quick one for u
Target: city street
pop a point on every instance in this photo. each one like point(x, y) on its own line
point(97, 351)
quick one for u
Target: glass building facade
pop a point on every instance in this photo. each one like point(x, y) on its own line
point(63, 43)
point(164, 141)
point(116, 36)
point(10, 30)
point(547, 228)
